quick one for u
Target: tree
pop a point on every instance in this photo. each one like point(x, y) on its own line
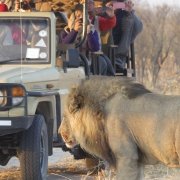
point(157, 43)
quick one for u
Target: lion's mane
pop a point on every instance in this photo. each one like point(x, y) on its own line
point(95, 91)
point(88, 100)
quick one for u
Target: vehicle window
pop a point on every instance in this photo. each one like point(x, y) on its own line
point(24, 40)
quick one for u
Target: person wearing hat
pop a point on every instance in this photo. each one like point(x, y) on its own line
point(3, 6)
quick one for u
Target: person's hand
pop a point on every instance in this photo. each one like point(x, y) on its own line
point(129, 5)
point(110, 10)
point(78, 24)
point(82, 1)
point(90, 27)
point(109, 5)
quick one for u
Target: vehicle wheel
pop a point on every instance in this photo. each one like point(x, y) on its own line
point(33, 153)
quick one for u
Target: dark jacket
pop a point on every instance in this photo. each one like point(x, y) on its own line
point(92, 42)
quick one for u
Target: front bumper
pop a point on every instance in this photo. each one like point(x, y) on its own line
point(10, 125)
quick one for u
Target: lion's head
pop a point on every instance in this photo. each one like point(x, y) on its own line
point(66, 133)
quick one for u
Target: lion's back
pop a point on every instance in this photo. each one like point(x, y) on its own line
point(152, 121)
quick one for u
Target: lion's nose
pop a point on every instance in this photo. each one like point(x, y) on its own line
point(64, 136)
point(60, 131)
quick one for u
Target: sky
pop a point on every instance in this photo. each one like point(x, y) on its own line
point(158, 2)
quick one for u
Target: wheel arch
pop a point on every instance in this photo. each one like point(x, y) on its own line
point(47, 104)
point(51, 114)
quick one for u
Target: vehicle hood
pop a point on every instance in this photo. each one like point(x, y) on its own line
point(27, 74)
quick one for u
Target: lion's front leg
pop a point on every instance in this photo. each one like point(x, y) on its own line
point(129, 169)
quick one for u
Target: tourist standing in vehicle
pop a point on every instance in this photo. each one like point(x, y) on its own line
point(128, 26)
point(73, 30)
point(107, 14)
point(102, 24)
point(72, 33)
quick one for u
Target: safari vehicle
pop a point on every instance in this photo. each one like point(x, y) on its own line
point(33, 86)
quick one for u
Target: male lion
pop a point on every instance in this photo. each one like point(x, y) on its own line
point(123, 123)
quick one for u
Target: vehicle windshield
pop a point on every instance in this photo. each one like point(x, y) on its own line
point(24, 40)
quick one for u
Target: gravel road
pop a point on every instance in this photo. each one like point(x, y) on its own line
point(58, 155)
point(63, 167)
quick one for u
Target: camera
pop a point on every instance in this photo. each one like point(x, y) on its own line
point(118, 5)
point(81, 20)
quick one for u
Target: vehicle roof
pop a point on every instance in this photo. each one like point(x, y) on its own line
point(65, 5)
point(28, 14)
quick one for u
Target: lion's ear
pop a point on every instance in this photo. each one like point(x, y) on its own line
point(76, 101)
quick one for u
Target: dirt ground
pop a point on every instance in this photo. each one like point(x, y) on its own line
point(70, 169)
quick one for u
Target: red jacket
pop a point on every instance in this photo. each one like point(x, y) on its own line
point(3, 7)
point(106, 24)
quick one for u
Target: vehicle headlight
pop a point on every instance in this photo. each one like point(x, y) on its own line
point(11, 95)
point(3, 98)
point(18, 94)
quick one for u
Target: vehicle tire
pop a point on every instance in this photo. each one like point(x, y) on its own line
point(33, 152)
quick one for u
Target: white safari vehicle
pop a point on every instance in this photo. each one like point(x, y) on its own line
point(33, 86)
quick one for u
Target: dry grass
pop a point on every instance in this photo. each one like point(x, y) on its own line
point(69, 169)
point(10, 174)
